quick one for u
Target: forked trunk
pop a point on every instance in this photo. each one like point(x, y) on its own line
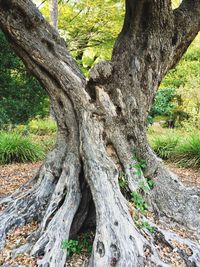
point(101, 123)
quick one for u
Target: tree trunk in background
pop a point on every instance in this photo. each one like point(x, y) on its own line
point(100, 123)
point(54, 13)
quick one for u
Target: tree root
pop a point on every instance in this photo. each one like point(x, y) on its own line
point(26, 208)
point(60, 213)
point(172, 199)
point(188, 250)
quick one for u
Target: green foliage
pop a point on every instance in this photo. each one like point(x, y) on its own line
point(187, 153)
point(150, 183)
point(144, 225)
point(139, 202)
point(146, 184)
point(42, 126)
point(181, 146)
point(78, 246)
point(16, 148)
point(147, 226)
point(21, 96)
point(184, 97)
point(72, 246)
point(163, 104)
point(164, 145)
point(138, 166)
point(190, 95)
point(47, 142)
point(102, 22)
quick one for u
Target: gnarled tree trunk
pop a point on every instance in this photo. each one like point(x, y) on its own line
point(107, 112)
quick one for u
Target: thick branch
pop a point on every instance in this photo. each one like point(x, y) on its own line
point(186, 27)
point(139, 11)
point(34, 39)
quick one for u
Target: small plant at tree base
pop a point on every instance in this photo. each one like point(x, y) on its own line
point(146, 225)
point(143, 224)
point(151, 183)
point(84, 243)
point(146, 184)
point(72, 246)
point(139, 202)
point(138, 166)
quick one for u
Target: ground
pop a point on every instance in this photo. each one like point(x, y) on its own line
point(15, 175)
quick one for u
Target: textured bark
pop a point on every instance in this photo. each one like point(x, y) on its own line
point(100, 123)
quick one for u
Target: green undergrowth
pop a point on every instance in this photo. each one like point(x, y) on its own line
point(178, 146)
point(187, 152)
point(38, 126)
point(140, 204)
point(164, 146)
point(83, 244)
point(17, 148)
point(137, 198)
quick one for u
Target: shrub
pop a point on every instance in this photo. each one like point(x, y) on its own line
point(42, 126)
point(187, 153)
point(163, 104)
point(16, 148)
point(164, 146)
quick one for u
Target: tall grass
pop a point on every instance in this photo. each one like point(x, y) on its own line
point(16, 148)
point(182, 149)
point(187, 153)
point(164, 145)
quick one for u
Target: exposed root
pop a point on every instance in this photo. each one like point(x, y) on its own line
point(28, 207)
point(117, 241)
point(62, 208)
point(173, 200)
point(16, 247)
point(25, 206)
point(54, 201)
point(187, 249)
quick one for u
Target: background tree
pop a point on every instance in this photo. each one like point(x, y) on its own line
point(54, 13)
point(106, 113)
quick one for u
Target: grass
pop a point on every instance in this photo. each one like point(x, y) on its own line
point(16, 148)
point(187, 153)
point(176, 145)
point(164, 146)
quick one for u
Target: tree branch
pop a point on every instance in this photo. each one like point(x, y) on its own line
point(186, 27)
point(30, 34)
point(139, 13)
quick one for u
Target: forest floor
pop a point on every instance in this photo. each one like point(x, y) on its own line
point(15, 175)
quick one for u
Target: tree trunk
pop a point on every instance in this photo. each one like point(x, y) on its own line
point(100, 123)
